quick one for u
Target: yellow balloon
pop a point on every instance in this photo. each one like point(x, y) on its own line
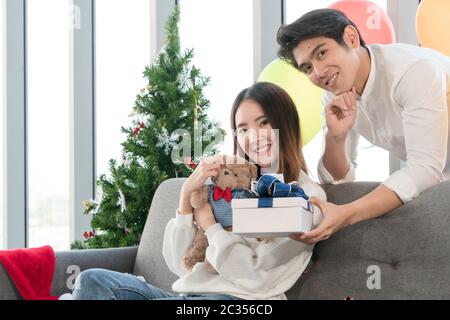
point(306, 96)
point(433, 25)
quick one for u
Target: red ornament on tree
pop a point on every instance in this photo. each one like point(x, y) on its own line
point(189, 163)
point(88, 235)
point(193, 165)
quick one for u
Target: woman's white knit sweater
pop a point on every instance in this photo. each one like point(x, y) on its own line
point(247, 268)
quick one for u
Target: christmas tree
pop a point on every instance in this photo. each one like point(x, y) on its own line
point(170, 131)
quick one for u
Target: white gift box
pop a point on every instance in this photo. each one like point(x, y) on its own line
point(285, 216)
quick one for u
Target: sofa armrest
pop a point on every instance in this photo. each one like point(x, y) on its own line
point(70, 263)
point(7, 289)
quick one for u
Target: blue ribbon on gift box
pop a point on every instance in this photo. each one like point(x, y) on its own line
point(269, 187)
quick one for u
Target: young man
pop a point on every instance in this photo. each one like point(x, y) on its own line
point(396, 96)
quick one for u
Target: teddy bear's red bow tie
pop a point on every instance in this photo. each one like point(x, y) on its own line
point(219, 194)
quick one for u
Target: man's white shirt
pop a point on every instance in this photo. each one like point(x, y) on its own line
point(404, 109)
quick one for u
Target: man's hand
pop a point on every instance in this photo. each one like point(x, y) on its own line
point(335, 217)
point(340, 114)
point(374, 204)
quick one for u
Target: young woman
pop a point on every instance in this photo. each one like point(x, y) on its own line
point(246, 268)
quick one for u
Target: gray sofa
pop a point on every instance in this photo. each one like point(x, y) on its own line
point(406, 253)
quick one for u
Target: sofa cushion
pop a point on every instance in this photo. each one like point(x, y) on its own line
point(410, 247)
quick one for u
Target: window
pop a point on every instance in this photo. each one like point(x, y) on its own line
point(373, 162)
point(48, 35)
point(122, 52)
point(2, 126)
point(221, 34)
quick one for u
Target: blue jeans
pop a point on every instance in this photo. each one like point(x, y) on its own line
point(102, 284)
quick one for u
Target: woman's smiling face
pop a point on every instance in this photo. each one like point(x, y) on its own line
point(255, 134)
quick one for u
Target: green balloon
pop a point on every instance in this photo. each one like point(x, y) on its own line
point(307, 97)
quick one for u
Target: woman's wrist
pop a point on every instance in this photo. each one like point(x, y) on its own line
point(185, 189)
point(185, 201)
point(207, 223)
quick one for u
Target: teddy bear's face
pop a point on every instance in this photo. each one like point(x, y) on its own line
point(236, 176)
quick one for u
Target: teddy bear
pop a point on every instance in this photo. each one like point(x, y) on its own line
point(233, 181)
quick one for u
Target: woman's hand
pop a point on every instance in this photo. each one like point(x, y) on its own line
point(335, 217)
point(208, 167)
point(204, 217)
point(340, 114)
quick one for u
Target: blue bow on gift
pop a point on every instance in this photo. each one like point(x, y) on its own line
point(269, 187)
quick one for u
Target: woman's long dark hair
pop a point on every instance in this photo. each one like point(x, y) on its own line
point(282, 114)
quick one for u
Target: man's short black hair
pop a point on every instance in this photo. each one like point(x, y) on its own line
point(329, 23)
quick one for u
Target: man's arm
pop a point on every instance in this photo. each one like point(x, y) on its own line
point(370, 206)
point(374, 204)
point(422, 93)
point(335, 158)
point(341, 142)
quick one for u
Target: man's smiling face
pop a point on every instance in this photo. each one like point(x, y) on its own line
point(328, 64)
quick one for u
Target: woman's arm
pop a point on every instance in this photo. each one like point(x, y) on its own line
point(178, 237)
point(184, 206)
point(180, 231)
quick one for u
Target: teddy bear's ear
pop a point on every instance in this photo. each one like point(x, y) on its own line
point(253, 170)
